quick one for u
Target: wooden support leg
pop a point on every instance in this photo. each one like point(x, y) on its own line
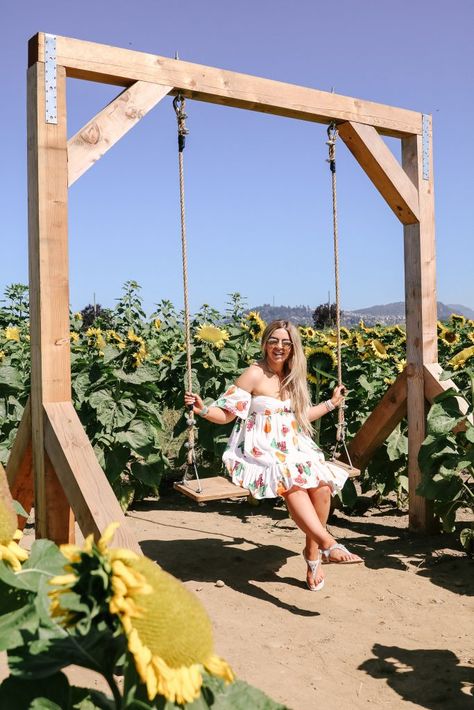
point(421, 315)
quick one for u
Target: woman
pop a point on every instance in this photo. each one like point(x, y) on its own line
point(270, 450)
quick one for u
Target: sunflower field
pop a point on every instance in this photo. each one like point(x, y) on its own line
point(128, 374)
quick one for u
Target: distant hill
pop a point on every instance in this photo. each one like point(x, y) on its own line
point(388, 313)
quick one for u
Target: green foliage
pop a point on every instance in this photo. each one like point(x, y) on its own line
point(128, 377)
point(39, 648)
point(446, 460)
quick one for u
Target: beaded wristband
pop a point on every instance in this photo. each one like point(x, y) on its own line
point(204, 411)
point(329, 405)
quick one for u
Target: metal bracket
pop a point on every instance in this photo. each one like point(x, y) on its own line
point(50, 79)
point(425, 139)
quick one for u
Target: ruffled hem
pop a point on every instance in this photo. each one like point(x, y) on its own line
point(271, 481)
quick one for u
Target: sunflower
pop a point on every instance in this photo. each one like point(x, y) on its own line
point(168, 632)
point(378, 349)
point(255, 325)
point(449, 337)
point(345, 333)
point(357, 340)
point(400, 365)
point(96, 338)
point(12, 333)
point(10, 551)
point(330, 338)
point(77, 316)
point(163, 358)
point(396, 330)
point(302, 332)
point(323, 359)
point(471, 336)
point(138, 347)
point(212, 334)
point(116, 339)
point(458, 320)
point(73, 336)
point(460, 359)
point(157, 323)
point(310, 332)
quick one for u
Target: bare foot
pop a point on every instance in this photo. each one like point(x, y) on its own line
point(338, 553)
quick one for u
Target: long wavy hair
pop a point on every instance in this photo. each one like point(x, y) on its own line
point(294, 382)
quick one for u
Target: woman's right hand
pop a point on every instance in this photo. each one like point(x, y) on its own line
point(194, 400)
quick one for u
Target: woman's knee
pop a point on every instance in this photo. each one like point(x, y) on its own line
point(322, 493)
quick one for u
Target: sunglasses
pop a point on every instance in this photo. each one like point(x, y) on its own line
point(284, 344)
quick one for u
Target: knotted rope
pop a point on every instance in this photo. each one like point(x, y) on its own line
point(341, 422)
point(179, 105)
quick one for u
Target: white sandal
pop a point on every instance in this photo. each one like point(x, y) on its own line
point(313, 566)
point(338, 546)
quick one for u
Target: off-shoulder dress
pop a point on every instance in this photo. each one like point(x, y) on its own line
point(267, 452)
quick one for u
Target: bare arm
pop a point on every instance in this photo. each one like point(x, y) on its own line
point(318, 410)
point(247, 381)
point(213, 414)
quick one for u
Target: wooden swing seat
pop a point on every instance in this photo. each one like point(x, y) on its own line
point(220, 487)
point(351, 471)
point(213, 488)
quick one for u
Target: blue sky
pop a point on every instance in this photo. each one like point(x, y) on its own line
point(257, 186)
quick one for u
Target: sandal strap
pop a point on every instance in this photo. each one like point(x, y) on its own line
point(336, 546)
point(312, 564)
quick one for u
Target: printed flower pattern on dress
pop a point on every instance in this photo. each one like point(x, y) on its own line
point(270, 453)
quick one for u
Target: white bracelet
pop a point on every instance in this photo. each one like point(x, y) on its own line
point(329, 405)
point(204, 411)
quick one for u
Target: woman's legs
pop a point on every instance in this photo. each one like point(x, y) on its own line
point(306, 518)
point(321, 501)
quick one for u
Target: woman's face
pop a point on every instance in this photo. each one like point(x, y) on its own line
point(278, 348)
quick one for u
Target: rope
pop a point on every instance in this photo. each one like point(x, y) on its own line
point(341, 422)
point(179, 106)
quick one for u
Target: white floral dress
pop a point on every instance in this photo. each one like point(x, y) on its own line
point(267, 452)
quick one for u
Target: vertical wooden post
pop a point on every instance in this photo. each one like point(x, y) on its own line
point(421, 315)
point(49, 291)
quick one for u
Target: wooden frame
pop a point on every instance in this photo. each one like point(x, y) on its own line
point(67, 478)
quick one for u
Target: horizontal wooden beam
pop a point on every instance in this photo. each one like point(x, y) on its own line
point(388, 176)
point(113, 65)
point(391, 409)
point(89, 493)
point(434, 386)
point(107, 127)
point(20, 465)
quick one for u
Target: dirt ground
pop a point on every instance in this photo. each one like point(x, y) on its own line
point(394, 633)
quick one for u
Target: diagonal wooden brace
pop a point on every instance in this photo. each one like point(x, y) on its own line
point(20, 466)
point(381, 166)
point(391, 409)
point(88, 492)
point(110, 125)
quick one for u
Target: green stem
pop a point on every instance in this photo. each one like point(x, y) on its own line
point(115, 691)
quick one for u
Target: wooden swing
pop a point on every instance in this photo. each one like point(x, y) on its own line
point(52, 463)
point(220, 487)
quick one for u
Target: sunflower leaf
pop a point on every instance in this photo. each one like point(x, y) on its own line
point(52, 693)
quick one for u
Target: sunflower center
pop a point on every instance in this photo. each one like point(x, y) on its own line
point(173, 624)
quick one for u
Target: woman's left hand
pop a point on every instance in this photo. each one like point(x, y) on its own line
point(338, 395)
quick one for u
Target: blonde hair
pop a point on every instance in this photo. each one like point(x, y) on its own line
point(294, 381)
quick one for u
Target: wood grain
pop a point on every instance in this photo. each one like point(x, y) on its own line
point(113, 65)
